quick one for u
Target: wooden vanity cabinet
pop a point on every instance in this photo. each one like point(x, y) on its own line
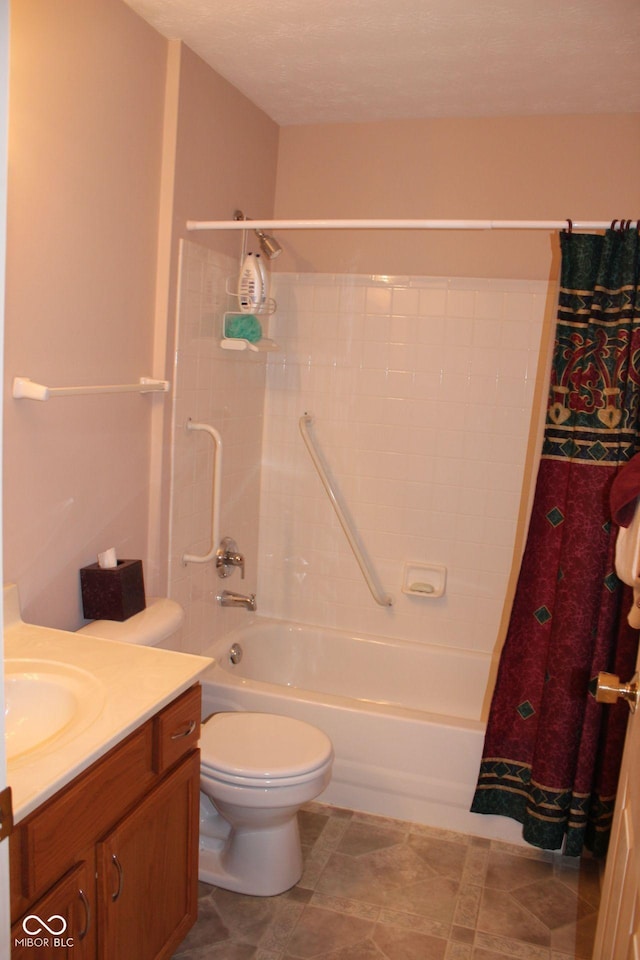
point(143, 868)
point(115, 853)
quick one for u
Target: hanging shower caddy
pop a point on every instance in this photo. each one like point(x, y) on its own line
point(263, 309)
point(248, 291)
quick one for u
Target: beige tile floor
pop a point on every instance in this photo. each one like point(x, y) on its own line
point(379, 889)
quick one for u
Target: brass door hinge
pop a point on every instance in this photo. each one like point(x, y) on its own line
point(6, 813)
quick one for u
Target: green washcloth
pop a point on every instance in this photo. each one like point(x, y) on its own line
point(244, 326)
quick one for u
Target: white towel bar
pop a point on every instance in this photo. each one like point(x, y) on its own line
point(383, 599)
point(215, 507)
point(26, 389)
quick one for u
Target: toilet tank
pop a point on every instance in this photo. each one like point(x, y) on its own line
point(160, 619)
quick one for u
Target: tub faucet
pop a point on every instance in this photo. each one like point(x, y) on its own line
point(229, 599)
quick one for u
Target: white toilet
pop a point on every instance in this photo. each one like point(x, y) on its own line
point(256, 771)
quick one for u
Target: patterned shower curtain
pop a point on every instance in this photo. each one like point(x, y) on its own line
point(552, 753)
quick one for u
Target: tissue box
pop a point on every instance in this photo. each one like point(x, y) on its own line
point(112, 593)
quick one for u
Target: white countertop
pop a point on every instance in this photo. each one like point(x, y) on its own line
point(133, 683)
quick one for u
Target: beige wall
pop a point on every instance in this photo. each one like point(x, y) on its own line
point(86, 99)
point(226, 154)
point(501, 168)
point(116, 138)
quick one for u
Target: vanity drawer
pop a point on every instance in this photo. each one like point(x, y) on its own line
point(68, 824)
point(177, 729)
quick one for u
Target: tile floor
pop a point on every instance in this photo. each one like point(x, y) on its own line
point(379, 889)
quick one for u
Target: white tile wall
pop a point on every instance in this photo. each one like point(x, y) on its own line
point(421, 391)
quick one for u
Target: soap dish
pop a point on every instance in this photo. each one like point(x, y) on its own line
point(426, 580)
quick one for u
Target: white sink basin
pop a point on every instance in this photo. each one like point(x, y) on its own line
point(46, 703)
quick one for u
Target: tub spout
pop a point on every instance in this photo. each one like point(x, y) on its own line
point(229, 599)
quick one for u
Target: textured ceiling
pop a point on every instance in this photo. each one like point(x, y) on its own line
point(363, 60)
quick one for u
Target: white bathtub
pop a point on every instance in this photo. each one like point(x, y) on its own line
point(404, 718)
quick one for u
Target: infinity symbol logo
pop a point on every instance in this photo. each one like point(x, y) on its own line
point(54, 930)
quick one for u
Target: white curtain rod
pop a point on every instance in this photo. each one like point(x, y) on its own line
point(398, 224)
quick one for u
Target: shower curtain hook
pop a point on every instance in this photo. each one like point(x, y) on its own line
point(613, 225)
point(569, 226)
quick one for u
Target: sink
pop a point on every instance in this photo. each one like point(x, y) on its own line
point(47, 703)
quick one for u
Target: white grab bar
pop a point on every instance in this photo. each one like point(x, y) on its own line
point(215, 508)
point(26, 389)
point(381, 598)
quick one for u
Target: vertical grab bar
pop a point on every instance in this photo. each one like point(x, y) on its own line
point(381, 598)
point(215, 508)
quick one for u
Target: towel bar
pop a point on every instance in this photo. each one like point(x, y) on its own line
point(26, 389)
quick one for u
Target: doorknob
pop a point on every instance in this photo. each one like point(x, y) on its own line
point(609, 689)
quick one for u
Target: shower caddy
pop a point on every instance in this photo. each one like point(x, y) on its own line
point(264, 309)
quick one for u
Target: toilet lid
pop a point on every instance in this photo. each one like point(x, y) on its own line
point(262, 745)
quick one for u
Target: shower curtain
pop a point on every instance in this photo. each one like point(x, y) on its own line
point(552, 753)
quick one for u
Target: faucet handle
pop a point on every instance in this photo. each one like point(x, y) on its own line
point(228, 557)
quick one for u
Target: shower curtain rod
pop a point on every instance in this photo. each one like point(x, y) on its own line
point(401, 224)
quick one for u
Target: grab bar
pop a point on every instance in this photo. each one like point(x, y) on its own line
point(381, 598)
point(215, 508)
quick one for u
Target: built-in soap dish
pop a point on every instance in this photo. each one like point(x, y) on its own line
point(426, 580)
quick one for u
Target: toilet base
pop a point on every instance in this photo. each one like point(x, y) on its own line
point(259, 863)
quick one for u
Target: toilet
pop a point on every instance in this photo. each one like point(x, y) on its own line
point(256, 771)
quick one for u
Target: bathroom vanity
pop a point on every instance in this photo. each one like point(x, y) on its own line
point(104, 849)
point(116, 851)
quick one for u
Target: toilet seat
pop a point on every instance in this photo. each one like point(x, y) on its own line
point(256, 749)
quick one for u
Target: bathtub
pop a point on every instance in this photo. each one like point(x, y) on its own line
point(404, 717)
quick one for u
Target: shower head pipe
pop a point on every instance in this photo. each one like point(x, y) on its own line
point(268, 244)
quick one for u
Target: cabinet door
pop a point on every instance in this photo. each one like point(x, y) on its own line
point(61, 925)
point(148, 871)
